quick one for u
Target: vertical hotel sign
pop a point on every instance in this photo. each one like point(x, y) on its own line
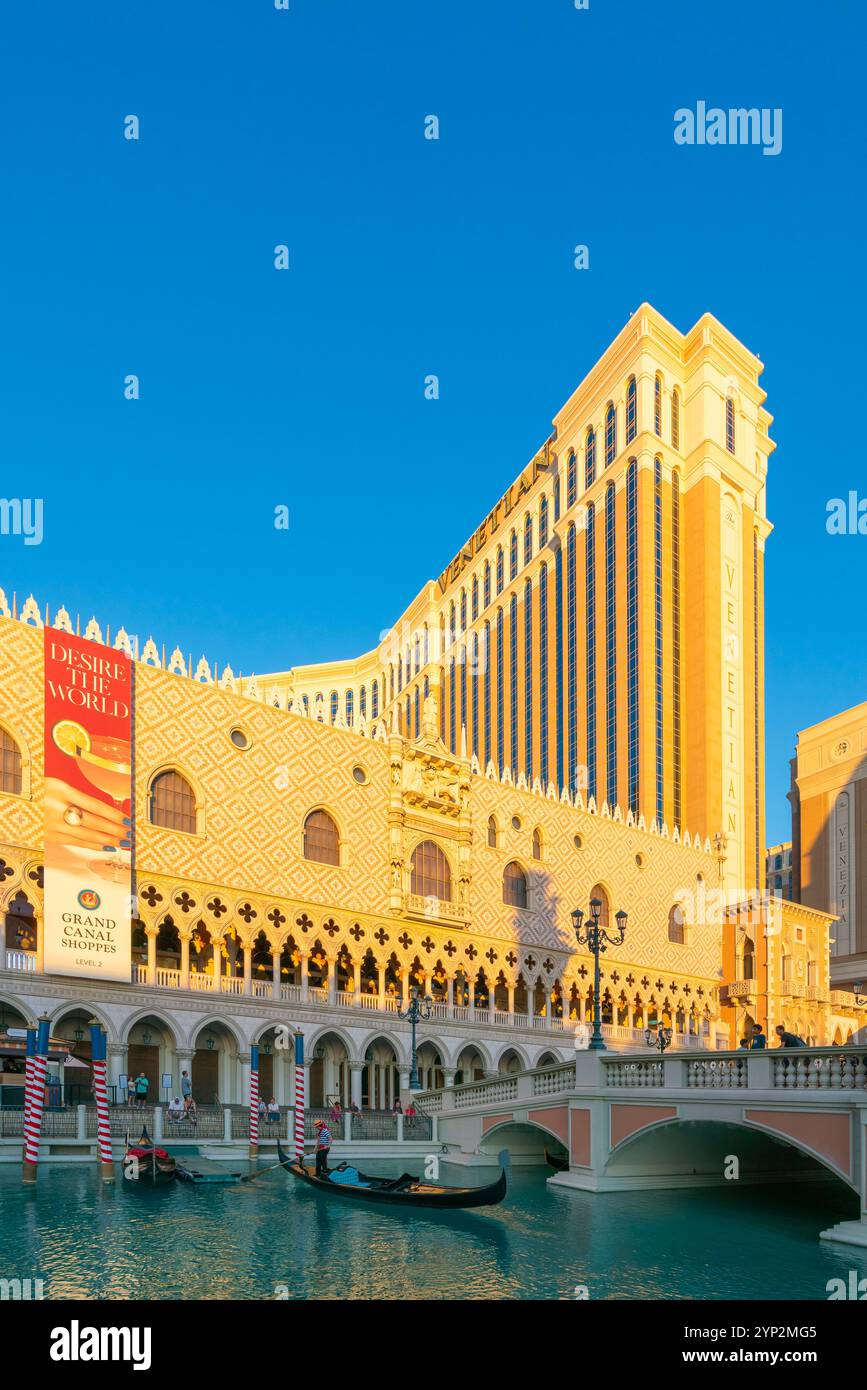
point(88, 808)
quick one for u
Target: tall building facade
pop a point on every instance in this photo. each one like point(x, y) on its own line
point(829, 834)
point(571, 712)
point(601, 630)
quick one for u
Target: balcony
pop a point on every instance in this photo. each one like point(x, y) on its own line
point(740, 989)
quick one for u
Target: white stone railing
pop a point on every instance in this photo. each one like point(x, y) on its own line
point(801, 1069)
point(22, 962)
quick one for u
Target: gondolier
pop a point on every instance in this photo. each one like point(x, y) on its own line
point(323, 1144)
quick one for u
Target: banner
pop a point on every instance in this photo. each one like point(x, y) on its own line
point(88, 808)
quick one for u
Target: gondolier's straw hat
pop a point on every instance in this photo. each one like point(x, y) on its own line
point(320, 1124)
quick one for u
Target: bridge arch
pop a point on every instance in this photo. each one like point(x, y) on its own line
point(673, 1151)
point(526, 1140)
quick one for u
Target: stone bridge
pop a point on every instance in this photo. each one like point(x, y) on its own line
point(621, 1121)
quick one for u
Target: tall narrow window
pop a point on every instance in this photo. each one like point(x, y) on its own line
point(571, 480)
point(631, 410)
point(463, 610)
point(425, 645)
point(528, 681)
point(417, 654)
point(610, 648)
point(528, 538)
point(657, 639)
point(487, 583)
point(675, 419)
point(443, 703)
point(374, 700)
point(321, 838)
point(675, 644)
point(500, 696)
point(590, 459)
point(514, 885)
point(430, 875)
point(362, 702)
point(513, 684)
point(558, 665)
point(657, 406)
point(487, 692)
point(407, 719)
point(543, 675)
point(452, 624)
point(462, 663)
point(590, 646)
point(474, 657)
point(417, 700)
point(474, 601)
point(335, 705)
point(556, 490)
point(610, 435)
point(500, 570)
point(513, 555)
point(571, 659)
point(632, 635)
point(349, 705)
point(730, 424)
point(543, 522)
point(453, 705)
point(173, 803)
point(492, 832)
point(10, 765)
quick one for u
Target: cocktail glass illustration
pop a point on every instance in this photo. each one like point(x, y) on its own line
point(105, 761)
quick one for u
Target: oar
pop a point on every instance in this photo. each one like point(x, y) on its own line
point(250, 1177)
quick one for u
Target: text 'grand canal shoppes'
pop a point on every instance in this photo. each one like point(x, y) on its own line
point(573, 709)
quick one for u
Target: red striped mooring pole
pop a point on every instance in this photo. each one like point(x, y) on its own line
point(254, 1101)
point(100, 1091)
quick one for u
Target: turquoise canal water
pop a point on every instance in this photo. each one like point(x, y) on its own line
point(87, 1241)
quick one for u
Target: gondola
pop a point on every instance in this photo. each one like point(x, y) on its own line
point(558, 1164)
point(404, 1191)
point(153, 1167)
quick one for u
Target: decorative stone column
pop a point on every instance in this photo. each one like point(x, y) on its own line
point(331, 978)
point(184, 1060)
point(275, 972)
point(40, 942)
point(185, 962)
point(448, 1076)
point(380, 975)
point(304, 979)
point(355, 1070)
point(152, 933)
point(218, 965)
point(116, 1067)
point(248, 970)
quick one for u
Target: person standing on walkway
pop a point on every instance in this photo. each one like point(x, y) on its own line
point(323, 1144)
point(141, 1090)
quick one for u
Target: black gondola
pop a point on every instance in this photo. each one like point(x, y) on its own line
point(558, 1164)
point(403, 1191)
point(146, 1165)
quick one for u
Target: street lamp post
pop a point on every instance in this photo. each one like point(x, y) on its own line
point(597, 939)
point(660, 1037)
point(418, 1008)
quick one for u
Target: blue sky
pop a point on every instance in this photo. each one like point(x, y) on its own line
point(408, 257)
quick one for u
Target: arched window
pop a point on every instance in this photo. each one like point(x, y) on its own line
point(676, 931)
point(321, 840)
point(362, 702)
point(374, 700)
point(514, 885)
point(730, 424)
point(571, 480)
point(492, 833)
point(10, 764)
point(610, 435)
point(528, 538)
point(335, 705)
point(590, 459)
point(431, 876)
point(749, 959)
point(513, 555)
point(500, 570)
point(657, 406)
point(463, 610)
point(173, 803)
point(605, 912)
point(631, 410)
point(350, 706)
point(487, 583)
point(474, 603)
point(675, 419)
point(543, 522)
point(537, 843)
